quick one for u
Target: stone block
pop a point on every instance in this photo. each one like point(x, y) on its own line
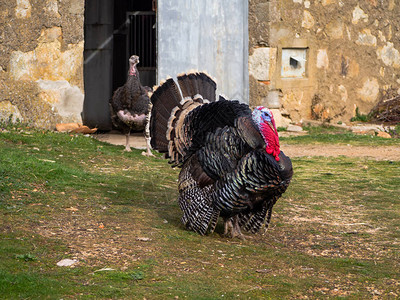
point(262, 63)
point(294, 128)
point(9, 112)
point(66, 99)
point(273, 99)
point(23, 9)
point(359, 15)
point(280, 121)
point(327, 2)
point(322, 59)
point(389, 55)
point(308, 20)
point(47, 61)
point(334, 29)
point(365, 38)
point(369, 91)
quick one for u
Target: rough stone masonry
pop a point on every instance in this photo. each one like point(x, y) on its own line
point(350, 55)
point(318, 59)
point(41, 61)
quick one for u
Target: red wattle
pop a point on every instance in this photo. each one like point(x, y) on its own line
point(271, 140)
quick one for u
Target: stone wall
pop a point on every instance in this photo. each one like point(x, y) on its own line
point(41, 61)
point(351, 58)
point(351, 55)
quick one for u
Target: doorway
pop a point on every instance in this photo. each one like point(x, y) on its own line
point(115, 30)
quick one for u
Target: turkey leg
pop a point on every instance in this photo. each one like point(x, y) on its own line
point(228, 227)
point(127, 147)
point(147, 135)
point(148, 148)
point(232, 228)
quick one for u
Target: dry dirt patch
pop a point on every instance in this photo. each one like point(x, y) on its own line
point(381, 153)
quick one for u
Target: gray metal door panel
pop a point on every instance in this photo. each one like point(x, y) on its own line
point(206, 35)
point(98, 63)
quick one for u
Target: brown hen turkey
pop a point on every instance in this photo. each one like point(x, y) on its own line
point(232, 165)
point(130, 106)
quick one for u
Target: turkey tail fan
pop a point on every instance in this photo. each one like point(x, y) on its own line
point(193, 84)
point(199, 214)
point(167, 126)
point(188, 84)
point(164, 99)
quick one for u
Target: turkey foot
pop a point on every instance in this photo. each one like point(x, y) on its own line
point(127, 147)
point(148, 151)
point(232, 228)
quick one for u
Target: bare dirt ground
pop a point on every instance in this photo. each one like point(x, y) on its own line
point(136, 140)
point(382, 153)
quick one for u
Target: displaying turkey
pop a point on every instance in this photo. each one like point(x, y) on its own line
point(130, 106)
point(232, 166)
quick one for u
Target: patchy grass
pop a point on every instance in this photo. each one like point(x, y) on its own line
point(334, 135)
point(334, 234)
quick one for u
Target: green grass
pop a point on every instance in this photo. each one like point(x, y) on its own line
point(360, 117)
point(334, 234)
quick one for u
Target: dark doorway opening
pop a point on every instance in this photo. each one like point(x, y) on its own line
point(97, 66)
point(115, 30)
point(134, 34)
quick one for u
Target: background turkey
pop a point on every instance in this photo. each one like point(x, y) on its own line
point(130, 106)
point(231, 162)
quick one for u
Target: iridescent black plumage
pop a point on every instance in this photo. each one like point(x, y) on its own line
point(226, 171)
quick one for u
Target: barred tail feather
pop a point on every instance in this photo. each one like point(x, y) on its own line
point(268, 218)
point(188, 85)
point(197, 83)
point(164, 99)
point(252, 221)
point(171, 104)
point(199, 214)
point(208, 87)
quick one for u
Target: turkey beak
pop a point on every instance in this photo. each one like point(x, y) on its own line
point(272, 127)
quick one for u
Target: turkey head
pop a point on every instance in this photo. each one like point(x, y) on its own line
point(264, 119)
point(133, 61)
